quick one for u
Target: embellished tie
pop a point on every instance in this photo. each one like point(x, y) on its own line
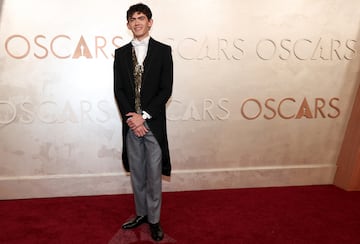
point(138, 71)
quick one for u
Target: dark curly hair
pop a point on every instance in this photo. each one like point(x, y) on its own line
point(140, 7)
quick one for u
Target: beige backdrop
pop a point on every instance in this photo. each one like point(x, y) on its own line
point(262, 93)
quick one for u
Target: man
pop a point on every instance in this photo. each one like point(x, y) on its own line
point(143, 79)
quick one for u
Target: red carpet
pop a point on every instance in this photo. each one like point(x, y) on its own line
point(309, 214)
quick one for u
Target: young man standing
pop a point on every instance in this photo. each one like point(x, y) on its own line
point(143, 79)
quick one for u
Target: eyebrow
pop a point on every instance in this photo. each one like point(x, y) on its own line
point(140, 17)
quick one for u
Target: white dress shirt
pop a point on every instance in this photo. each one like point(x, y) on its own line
point(141, 48)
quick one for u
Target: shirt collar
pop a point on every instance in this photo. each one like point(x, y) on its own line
point(144, 42)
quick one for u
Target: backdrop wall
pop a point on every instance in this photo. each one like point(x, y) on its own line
point(262, 93)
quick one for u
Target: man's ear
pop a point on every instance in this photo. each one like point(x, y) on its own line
point(151, 22)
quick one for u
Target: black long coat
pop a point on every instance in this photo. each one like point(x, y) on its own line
point(156, 89)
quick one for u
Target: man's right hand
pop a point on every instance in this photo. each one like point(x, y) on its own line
point(140, 131)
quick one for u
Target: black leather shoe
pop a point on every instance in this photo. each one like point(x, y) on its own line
point(156, 232)
point(138, 220)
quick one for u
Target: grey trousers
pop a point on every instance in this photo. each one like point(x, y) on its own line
point(144, 154)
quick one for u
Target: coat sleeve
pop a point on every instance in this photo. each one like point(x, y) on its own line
point(166, 83)
point(119, 92)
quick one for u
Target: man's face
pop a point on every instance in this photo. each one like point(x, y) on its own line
point(139, 25)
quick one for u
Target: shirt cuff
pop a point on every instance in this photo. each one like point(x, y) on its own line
point(145, 115)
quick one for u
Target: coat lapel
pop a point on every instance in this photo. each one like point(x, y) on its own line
point(129, 61)
point(148, 58)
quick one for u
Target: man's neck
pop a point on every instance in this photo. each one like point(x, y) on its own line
point(142, 38)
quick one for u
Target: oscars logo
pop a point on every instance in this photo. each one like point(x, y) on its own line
point(82, 49)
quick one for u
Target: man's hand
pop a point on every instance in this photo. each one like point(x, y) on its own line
point(140, 131)
point(136, 124)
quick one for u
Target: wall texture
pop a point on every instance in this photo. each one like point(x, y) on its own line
point(262, 93)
